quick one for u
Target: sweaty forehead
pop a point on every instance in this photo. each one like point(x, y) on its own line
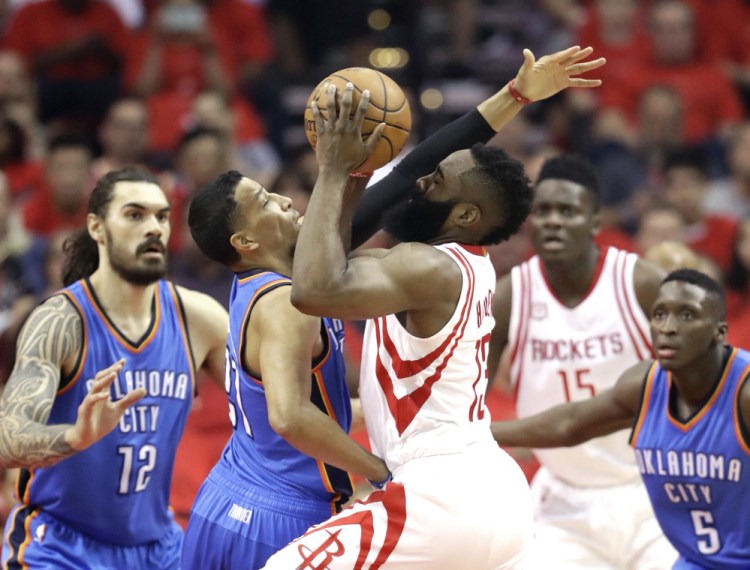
point(144, 193)
point(682, 293)
point(247, 190)
point(556, 190)
point(457, 162)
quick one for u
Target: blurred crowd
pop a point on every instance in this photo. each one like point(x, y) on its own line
point(191, 88)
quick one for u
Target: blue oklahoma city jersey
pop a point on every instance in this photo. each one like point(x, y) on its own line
point(255, 452)
point(697, 472)
point(117, 491)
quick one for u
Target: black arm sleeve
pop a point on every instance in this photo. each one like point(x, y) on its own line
point(462, 133)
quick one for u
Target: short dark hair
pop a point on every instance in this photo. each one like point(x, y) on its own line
point(687, 157)
point(198, 133)
point(81, 251)
point(506, 178)
point(70, 140)
point(573, 168)
point(699, 279)
point(211, 218)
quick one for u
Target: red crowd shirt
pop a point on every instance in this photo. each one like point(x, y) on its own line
point(40, 216)
point(40, 27)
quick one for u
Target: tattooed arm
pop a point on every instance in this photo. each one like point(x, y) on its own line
point(50, 342)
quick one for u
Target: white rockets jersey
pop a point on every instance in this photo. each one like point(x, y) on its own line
point(425, 396)
point(561, 354)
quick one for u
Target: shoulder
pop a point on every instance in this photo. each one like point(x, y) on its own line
point(53, 329)
point(57, 308)
point(647, 278)
point(629, 386)
point(274, 310)
point(421, 260)
point(202, 309)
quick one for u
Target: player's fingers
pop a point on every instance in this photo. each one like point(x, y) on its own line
point(331, 104)
point(359, 114)
point(318, 118)
point(88, 403)
point(578, 68)
point(374, 138)
point(346, 105)
point(559, 56)
point(528, 59)
point(130, 398)
point(578, 82)
point(102, 382)
point(581, 54)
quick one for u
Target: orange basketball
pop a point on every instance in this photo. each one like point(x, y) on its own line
point(388, 105)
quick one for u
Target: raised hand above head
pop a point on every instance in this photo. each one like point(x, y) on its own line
point(541, 78)
point(339, 135)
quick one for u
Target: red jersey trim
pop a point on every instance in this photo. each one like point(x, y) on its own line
point(405, 409)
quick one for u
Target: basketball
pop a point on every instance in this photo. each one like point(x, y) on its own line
point(388, 105)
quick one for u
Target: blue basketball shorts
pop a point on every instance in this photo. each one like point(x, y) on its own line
point(234, 526)
point(36, 540)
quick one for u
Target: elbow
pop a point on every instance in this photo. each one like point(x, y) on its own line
point(286, 423)
point(308, 299)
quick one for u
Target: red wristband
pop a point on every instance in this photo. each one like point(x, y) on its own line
point(360, 174)
point(516, 95)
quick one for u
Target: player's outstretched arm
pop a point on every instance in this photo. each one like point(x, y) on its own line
point(577, 422)
point(51, 338)
point(554, 71)
point(286, 341)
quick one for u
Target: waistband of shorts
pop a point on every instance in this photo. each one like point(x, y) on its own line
point(268, 499)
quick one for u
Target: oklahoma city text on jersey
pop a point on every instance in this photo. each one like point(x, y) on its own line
point(140, 417)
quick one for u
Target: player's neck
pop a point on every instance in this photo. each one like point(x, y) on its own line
point(119, 297)
point(572, 278)
point(698, 379)
point(277, 265)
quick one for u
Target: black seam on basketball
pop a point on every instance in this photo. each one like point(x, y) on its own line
point(385, 99)
point(391, 125)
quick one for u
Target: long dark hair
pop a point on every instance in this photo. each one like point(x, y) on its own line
point(738, 276)
point(81, 251)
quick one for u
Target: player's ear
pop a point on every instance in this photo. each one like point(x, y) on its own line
point(466, 214)
point(596, 223)
point(95, 227)
point(721, 331)
point(242, 242)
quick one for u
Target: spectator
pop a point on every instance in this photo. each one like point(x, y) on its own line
point(191, 46)
point(731, 196)
point(250, 154)
point(21, 174)
point(202, 155)
point(738, 288)
point(631, 169)
point(18, 102)
point(614, 28)
point(123, 137)
point(708, 234)
point(660, 223)
point(705, 92)
point(59, 202)
point(74, 49)
point(20, 271)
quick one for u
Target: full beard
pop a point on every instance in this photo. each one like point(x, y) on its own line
point(417, 219)
point(141, 275)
